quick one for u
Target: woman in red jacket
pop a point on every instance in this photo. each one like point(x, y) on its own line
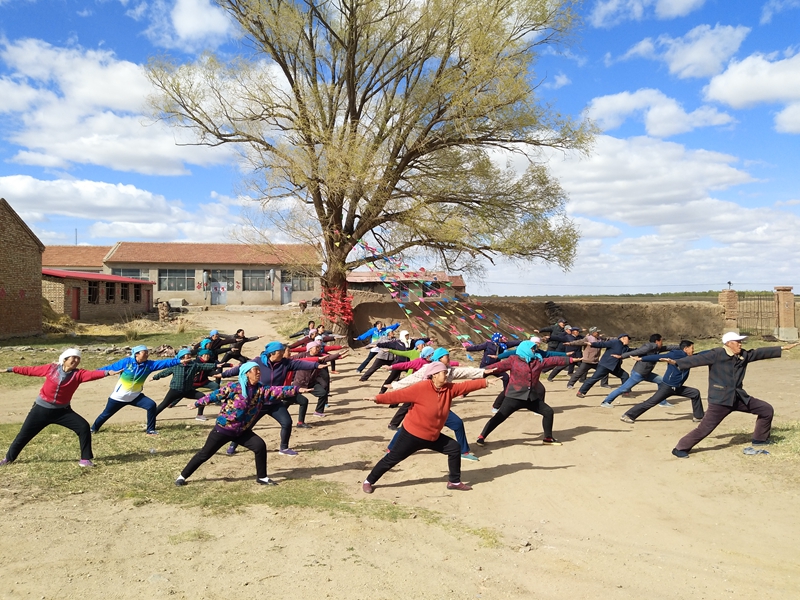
point(422, 426)
point(524, 390)
point(52, 406)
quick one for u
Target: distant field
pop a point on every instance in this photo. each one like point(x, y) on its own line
point(705, 297)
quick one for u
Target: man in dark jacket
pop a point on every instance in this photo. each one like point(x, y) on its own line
point(556, 329)
point(610, 363)
point(570, 335)
point(643, 369)
point(726, 370)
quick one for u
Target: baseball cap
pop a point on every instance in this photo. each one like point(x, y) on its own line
point(593, 330)
point(622, 335)
point(732, 336)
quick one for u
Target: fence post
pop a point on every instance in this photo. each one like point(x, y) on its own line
point(729, 300)
point(786, 329)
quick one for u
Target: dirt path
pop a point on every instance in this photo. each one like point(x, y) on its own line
point(610, 514)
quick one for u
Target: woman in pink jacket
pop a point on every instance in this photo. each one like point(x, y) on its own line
point(52, 406)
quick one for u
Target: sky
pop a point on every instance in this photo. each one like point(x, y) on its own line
point(692, 183)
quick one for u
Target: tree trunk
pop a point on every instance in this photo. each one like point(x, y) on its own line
point(337, 306)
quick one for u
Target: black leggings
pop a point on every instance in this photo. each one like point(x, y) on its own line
point(512, 405)
point(302, 403)
point(278, 412)
point(237, 354)
point(663, 392)
point(217, 440)
point(406, 444)
point(498, 401)
point(380, 362)
point(174, 396)
point(40, 417)
point(393, 376)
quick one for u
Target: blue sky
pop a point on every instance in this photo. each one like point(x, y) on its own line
point(693, 182)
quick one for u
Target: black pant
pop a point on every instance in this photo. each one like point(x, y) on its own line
point(174, 396)
point(393, 376)
point(217, 440)
point(363, 365)
point(511, 405)
point(498, 401)
point(601, 372)
point(234, 353)
point(398, 417)
point(40, 417)
point(280, 413)
point(380, 362)
point(406, 444)
point(582, 370)
point(663, 392)
point(302, 403)
point(717, 412)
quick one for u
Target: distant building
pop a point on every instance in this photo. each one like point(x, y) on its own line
point(409, 285)
point(205, 274)
point(91, 296)
point(20, 276)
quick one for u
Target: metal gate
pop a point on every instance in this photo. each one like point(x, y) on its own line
point(286, 292)
point(758, 313)
point(219, 293)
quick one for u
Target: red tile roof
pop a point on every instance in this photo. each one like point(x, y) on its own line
point(212, 254)
point(74, 256)
point(61, 274)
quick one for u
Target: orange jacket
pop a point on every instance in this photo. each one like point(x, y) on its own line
point(430, 407)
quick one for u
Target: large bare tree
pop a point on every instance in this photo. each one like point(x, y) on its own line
point(390, 120)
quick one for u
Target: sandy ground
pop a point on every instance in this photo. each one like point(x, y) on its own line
point(610, 514)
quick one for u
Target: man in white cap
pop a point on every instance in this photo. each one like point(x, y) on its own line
point(726, 370)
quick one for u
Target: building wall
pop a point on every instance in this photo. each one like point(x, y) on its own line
point(20, 279)
point(59, 292)
point(236, 296)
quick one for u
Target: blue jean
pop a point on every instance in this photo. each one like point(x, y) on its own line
point(455, 423)
point(113, 406)
point(633, 380)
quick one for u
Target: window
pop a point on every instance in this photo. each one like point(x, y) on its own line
point(137, 292)
point(110, 292)
point(300, 282)
point(176, 280)
point(256, 281)
point(223, 276)
point(94, 292)
point(125, 292)
point(131, 273)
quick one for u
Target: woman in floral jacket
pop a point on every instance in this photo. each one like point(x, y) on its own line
point(241, 402)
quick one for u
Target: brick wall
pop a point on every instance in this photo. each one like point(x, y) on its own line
point(59, 292)
point(20, 278)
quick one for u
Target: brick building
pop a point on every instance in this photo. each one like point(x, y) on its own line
point(93, 296)
point(20, 276)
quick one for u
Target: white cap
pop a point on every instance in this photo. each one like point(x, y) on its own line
point(67, 353)
point(535, 339)
point(732, 336)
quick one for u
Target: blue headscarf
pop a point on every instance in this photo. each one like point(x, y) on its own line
point(182, 353)
point(527, 351)
point(496, 338)
point(439, 353)
point(204, 344)
point(136, 349)
point(243, 375)
point(269, 349)
point(426, 352)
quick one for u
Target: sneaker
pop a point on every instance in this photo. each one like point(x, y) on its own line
point(151, 432)
point(231, 450)
point(334, 372)
point(606, 405)
point(680, 453)
point(665, 404)
point(605, 385)
point(180, 481)
point(287, 452)
point(320, 415)
point(569, 386)
point(303, 426)
point(581, 395)
point(696, 420)
point(201, 418)
point(551, 442)
point(85, 463)
point(462, 487)
point(629, 394)
point(392, 427)
point(367, 487)
point(760, 442)
point(480, 441)
point(626, 419)
point(266, 481)
point(92, 431)
point(469, 456)
point(4, 462)
point(494, 411)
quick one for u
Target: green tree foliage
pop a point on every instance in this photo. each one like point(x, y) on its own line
point(390, 119)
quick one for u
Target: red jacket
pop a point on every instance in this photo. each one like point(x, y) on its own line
point(431, 406)
point(524, 376)
point(54, 392)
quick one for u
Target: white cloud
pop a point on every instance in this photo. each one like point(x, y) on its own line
point(702, 52)
point(788, 120)
point(773, 7)
point(188, 25)
point(559, 81)
point(116, 211)
point(86, 106)
point(663, 116)
point(756, 79)
point(611, 12)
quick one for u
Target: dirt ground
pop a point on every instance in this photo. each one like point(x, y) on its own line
point(610, 514)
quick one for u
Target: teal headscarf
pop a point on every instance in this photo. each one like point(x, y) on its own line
point(243, 375)
point(526, 351)
point(439, 353)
